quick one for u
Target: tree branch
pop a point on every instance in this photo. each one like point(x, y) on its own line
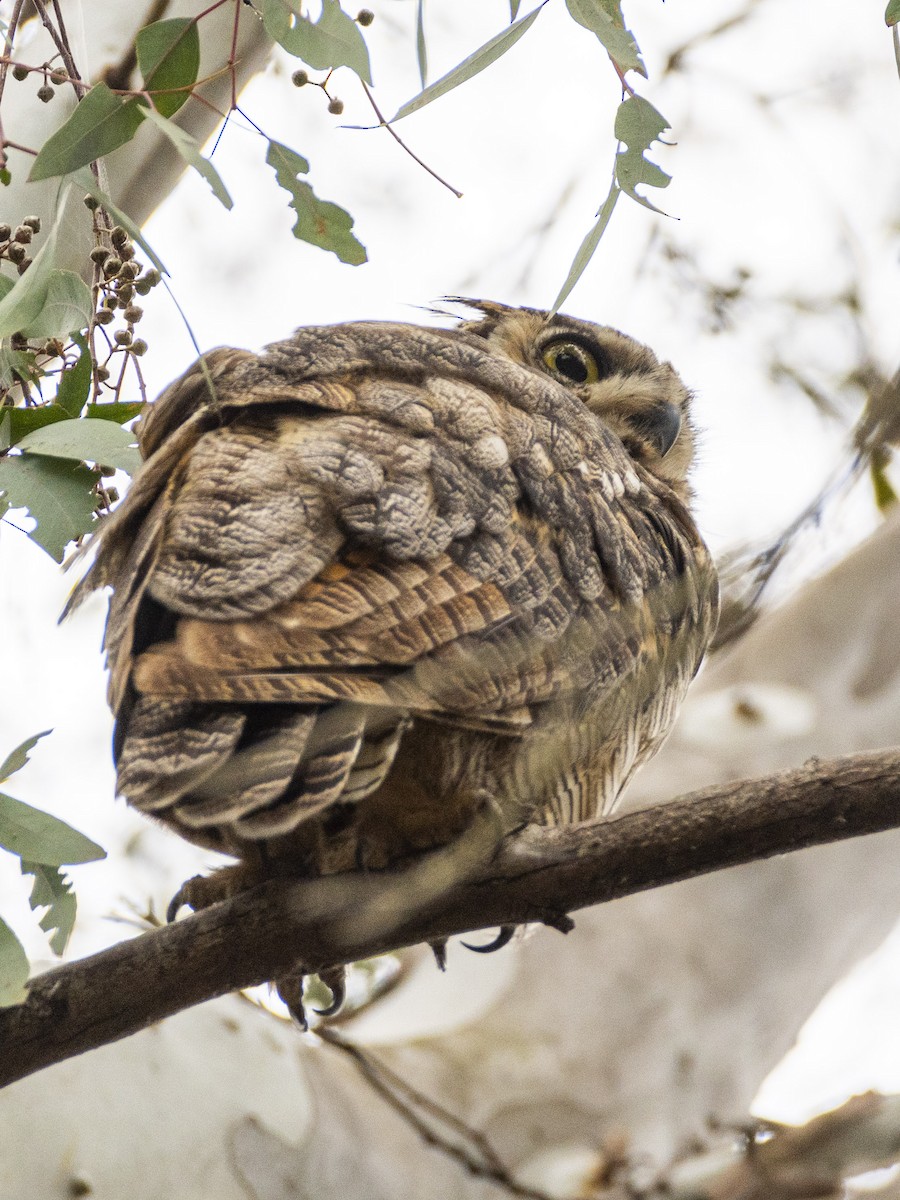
point(538, 876)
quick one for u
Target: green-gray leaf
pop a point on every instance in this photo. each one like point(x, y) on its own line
point(58, 493)
point(38, 837)
point(85, 440)
point(17, 759)
point(318, 221)
point(22, 303)
point(67, 307)
point(13, 968)
point(892, 14)
point(99, 124)
point(75, 384)
point(482, 58)
point(189, 149)
point(119, 411)
point(421, 48)
point(16, 365)
point(19, 422)
point(604, 18)
point(637, 125)
point(332, 41)
point(168, 55)
point(53, 890)
point(588, 246)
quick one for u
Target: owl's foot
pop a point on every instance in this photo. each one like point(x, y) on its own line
point(290, 990)
point(203, 890)
point(503, 938)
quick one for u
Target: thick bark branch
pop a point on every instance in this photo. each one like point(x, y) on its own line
point(263, 934)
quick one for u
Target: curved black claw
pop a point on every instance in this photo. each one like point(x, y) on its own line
point(290, 990)
point(180, 900)
point(503, 938)
point(439, 950)
point(335, 979)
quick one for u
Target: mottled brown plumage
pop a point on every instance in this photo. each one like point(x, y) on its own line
point(380, 575)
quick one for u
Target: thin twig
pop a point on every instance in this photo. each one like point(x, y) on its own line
point(385, 124)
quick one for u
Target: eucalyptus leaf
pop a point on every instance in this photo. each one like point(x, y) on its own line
point(67, 307)
point(37, 837)
point(53, 890)
point(119, 411)
point(318, 221)
point(604, 18)
point(168, 54)
point(17, 758)
point(75, 383)
point(85, 440)
point(22, 303)
point(471, 66)
point(99, 124)
point(638, 124)
point(189, 149)
point(892, 14)
point(22, 421)
point(332, 41)
point(16, 366)
point(587, 248)
point(13, 968)
point(421, 48)
point(59, 494)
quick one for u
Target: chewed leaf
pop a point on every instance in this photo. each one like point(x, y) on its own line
point(604, 18)
point(17, 759)
point(318, 221)
point(58, 493)
point(99, 124)
point(53, 891)
point(168, 55)
point(13, 968)
point(638, 124)
point(36, 836)
point(471, 66)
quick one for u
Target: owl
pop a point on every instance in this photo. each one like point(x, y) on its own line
point(381, 575)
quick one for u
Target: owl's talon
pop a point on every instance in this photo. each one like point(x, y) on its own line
point(503, 938)
point(290, 992)
point(335, 979)
point(439, 950)
point(183, 898)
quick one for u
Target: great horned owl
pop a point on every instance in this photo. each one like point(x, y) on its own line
point(379, 575)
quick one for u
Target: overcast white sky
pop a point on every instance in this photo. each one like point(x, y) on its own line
point(785, 165)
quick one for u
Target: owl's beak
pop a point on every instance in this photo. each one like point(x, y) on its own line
point(661, 426)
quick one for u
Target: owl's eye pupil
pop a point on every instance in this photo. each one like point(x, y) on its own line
point(571, 366)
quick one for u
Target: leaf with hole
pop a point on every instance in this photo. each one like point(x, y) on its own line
point(471, 66)
point(189, 149)
point(99, 124)
point(58, 493)
point(168, 54)
point(318, 221)
point(52, 890)
point(638, 124)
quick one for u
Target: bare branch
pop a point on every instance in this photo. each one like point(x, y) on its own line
point(266, 933)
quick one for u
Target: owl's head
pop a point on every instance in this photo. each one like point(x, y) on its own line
point(639, 398)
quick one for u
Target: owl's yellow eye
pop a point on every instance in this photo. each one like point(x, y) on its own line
point(571, 362)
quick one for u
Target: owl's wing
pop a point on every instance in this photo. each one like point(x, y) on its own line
point(348, 535)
